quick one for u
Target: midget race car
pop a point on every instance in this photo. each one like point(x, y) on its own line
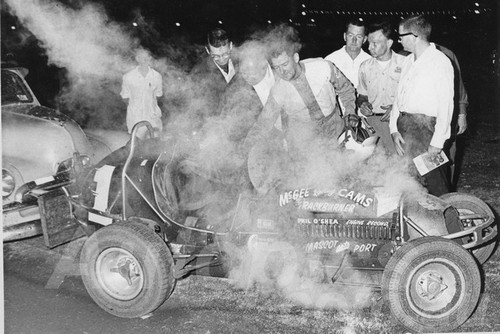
point(145, 232)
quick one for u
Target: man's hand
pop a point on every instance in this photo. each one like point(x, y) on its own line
point(462, 123)
point(398, 142)
point(434, 150)
point(435, 154)
point(387, 114)
point(366, 108)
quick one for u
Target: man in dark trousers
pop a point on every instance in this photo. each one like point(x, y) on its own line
point(421, 116)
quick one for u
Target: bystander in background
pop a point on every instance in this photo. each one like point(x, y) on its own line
point(211, 75)
point(378, 82)
point(140, 89)
point(421, 116)
point(351, 55)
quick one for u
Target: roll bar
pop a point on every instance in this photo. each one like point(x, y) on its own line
point(133, 144)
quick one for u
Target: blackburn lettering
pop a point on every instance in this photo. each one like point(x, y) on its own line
point(326, 206)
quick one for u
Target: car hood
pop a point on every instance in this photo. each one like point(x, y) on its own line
point(55, 122)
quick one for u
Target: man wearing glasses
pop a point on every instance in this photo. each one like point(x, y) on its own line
point(212, 74)
point(421, 116)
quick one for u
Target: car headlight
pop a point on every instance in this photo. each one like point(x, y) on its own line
point(8, 183)
point(65, 165)
point(77, 159)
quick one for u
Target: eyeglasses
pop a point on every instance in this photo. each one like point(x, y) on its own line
point(223, 55)
point(406, 34)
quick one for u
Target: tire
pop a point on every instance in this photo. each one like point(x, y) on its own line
point(439, 264)
point(139, 250)
point(468, 204)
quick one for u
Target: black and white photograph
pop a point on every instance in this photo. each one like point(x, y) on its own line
point(250, 166)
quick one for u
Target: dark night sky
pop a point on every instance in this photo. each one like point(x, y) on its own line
point(473, 37)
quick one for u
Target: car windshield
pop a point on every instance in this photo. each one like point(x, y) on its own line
point(14, 89)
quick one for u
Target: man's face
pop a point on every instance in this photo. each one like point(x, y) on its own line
point(285, 65)
point(220, 55)
point(407, 39)
point(143, 58)
point(253, 70)
point(354, 38)
point(378, 44)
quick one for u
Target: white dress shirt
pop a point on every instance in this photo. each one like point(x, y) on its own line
point(264, 86)
point(230, 71)
point(426, 87)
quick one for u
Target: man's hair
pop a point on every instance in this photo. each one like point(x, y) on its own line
point(418, 25)
point(251, 49)
point(282, 38)
point(217, 37)
point(385, 27)
point(355, 22)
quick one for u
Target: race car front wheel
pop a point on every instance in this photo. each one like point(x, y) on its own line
point(431, 284)
point(127, 269)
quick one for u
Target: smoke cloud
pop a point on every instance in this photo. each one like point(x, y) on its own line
point(95, 52)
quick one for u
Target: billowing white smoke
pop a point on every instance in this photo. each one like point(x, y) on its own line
point(81, 40)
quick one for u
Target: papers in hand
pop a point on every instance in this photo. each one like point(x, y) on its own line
point(426, 162)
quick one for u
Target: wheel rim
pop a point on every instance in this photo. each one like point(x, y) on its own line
point(119, 273)
point(435, 289)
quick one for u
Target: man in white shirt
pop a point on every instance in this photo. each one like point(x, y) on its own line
point(140, 89)
point(378, 82)
point(351, 55)
point(421, 115)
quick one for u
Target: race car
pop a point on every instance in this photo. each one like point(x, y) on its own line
point(155, 215)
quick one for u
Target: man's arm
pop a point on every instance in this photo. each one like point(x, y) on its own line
point(364, 106)
point(264, 123)
point(393, 128)
point(343, 88)
point(125, 91)
point(443, 91)
point(159, 85)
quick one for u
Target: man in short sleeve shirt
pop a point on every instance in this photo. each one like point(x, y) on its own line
point(378, 82)
point(140, 89)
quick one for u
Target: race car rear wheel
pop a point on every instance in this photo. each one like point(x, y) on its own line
point(467, 204)
point(431, 284)
point(127, 269)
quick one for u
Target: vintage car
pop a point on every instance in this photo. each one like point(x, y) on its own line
point(37, 143)
point(146, 231)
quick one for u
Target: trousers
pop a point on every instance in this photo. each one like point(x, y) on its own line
point(417, 131)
